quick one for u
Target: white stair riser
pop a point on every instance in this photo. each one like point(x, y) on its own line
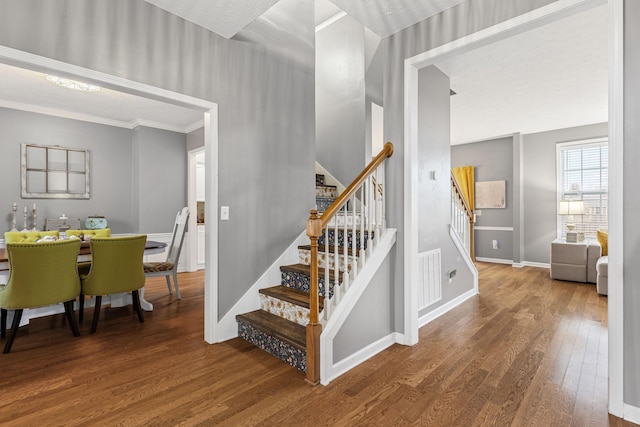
point(305, 258)
point(286, 310)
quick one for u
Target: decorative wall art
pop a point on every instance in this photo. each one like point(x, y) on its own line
point(491, 195)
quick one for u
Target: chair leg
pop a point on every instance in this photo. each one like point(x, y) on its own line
point(17, 316)
point(175, 284)
point(96, 314)
point(136, 305)
point(3, 323)
point(81, 308)
point(68, 311)
point(169, 284)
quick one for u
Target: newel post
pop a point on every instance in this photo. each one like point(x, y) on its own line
point(314, 328)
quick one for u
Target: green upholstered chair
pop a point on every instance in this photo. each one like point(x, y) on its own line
point(116, 267)
point(28, 236)
point(169, 267)
point(41, 274)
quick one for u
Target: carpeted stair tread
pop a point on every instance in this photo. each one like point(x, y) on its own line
point(294, 296)
point(282, 329)
point(322, 249)
point(305, 269)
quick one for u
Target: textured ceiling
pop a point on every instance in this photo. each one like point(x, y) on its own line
point(224, 17)
point(553, 77)
point(386, 17)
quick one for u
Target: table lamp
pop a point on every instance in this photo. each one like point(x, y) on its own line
point(571, 208)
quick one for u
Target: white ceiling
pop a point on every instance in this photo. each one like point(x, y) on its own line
point(549, 78)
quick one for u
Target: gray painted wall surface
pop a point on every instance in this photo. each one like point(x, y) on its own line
point(266, 110)
point(493, 161)
point(111, 164)
point(539, 186)
point(459, 21)
point(162, 172)
point(372, 317)
point(631, 197)
point(195, 139)
point(434, 196)
point(340, 99)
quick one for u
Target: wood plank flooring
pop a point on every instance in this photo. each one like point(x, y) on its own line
point(528, 351)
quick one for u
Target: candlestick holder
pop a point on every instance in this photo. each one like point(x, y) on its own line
point(14, 208)
point(25, 220)
point(34, 212)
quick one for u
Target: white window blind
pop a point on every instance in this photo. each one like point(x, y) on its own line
point(583, 174)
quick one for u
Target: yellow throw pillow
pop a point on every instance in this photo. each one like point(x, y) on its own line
point(603, 239)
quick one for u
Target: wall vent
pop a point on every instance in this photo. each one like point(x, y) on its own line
point(430, 289)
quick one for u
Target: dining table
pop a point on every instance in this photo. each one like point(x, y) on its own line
point(117, 300)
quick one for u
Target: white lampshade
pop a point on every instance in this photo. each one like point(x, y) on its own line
point(571, 207)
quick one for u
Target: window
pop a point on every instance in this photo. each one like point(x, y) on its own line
point(583, 174)
point(54, 172)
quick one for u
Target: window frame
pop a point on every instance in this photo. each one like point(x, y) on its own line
point(560, 148)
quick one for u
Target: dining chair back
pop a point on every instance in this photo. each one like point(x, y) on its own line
point(116, 267)
point(169, 267)
point(40, 274)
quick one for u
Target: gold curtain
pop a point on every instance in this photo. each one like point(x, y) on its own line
point(466, 181)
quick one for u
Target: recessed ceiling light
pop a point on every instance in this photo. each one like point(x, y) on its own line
point(72, 84)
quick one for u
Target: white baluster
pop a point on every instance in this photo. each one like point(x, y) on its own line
point(327, 301)
point(362, 253)
point(354, 251)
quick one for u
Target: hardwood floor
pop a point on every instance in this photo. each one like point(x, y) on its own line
point(526, 351)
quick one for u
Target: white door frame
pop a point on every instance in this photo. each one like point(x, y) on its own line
point(39, 63)
point(519, 24)
point(192, 202)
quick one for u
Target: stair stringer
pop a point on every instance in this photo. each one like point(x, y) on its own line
point(328, 369)
point(228, 326)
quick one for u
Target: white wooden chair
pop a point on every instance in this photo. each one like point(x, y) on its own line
point(170, 266)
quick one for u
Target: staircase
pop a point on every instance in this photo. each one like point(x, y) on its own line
point(343, 238)
point(279, 326)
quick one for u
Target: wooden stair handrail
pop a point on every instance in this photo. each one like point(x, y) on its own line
point(470, 215)
point(387, 151)
point(315, 225)
point(456, 187)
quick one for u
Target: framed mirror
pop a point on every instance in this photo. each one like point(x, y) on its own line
point(54, 172)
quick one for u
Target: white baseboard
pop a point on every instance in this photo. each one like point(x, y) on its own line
point(631, 413)
point(350, 362)
point(495, 260)
point(227, 327)
point(429, 317)
point(530, 264)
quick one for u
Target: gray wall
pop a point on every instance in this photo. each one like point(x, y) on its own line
point(631, 197)
point(340, 99)
point(540, 188)
point(464, 19)
point(195, 139)
point(266, 110)
point(113, 162)
point(162, 176)
point(434, 196)
point(372, 317)
point(493, 161)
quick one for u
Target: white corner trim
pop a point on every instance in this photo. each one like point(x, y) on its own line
point(227, 326)
point(491, 228)
point(616, 215)
point(324, 24)
point(495, 260)
point(349, 300)
point(530, 264)
point(432, 315)
point(361, 356)
point(632, 413)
